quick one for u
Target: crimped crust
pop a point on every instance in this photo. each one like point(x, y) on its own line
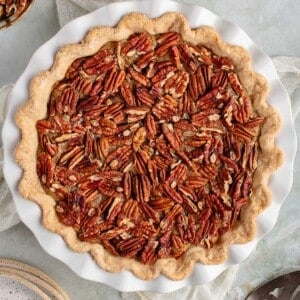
point(270, 157)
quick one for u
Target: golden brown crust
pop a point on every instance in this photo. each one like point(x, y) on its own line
point(270, 156)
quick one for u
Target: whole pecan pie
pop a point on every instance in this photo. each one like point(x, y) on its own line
point(149, 145)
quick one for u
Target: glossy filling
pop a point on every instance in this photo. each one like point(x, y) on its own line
point(149, 147)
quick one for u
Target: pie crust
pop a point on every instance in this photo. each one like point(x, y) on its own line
point(270, 157)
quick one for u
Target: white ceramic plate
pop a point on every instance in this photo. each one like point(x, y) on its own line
point(29, 212)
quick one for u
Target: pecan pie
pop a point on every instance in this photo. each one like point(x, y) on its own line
point(10, 10)
point(149, 145)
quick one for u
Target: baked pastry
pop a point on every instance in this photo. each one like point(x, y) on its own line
point(150, 145)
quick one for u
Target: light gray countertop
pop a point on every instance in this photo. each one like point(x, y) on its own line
point(273, 24)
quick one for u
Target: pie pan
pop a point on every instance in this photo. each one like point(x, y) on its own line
point(109, 15)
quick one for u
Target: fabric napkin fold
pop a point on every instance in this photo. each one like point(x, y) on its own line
point(69, 9)
point(288, 69)
point(8, 214)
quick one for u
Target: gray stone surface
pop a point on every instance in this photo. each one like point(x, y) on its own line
point(19, 42)
point(272, 24)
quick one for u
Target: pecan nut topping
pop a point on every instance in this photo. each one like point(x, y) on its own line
point(152, 149)
point(151, 156)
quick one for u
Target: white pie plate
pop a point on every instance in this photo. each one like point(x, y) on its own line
point(30, 213)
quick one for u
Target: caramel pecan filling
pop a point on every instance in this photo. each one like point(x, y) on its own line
point(149, 147)
point(12, 8)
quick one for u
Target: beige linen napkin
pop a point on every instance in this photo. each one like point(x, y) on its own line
point(69, 9)
point(8, 214)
